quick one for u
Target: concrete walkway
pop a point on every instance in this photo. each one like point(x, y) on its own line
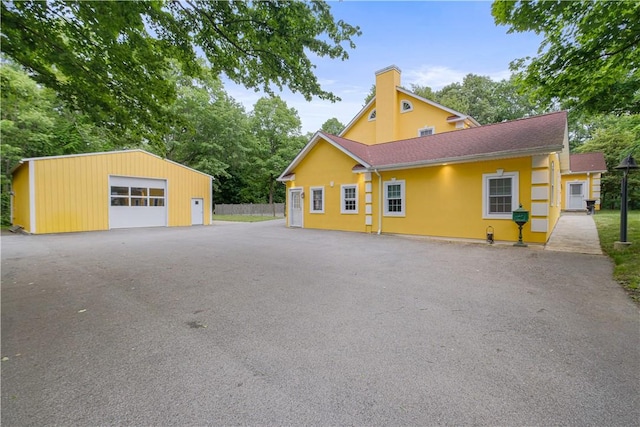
point(575, 232)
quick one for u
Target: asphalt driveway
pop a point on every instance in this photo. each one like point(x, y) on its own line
point(257, 324)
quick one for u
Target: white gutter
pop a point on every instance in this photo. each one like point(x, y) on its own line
point(462, 159)
point(380, 201)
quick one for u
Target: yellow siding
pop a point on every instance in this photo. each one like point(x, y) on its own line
point(407, 124)
point(422, 115)
point(20, 188)
point(386, 102)
point(391, 124)
point(556, 202)
point(323, 165)
point(363, 130)
point(72, 193)
point(444, 201)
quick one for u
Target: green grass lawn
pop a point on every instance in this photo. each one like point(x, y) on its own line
point(627, 261)
point(244, 218)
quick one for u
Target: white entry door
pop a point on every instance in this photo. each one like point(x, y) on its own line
point(197, 211)
point(295, 207)
point(575, 195)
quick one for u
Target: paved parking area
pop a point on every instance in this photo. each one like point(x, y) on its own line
point(256, 324)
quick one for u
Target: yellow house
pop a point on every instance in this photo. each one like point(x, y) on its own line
point(410, 166)
point(582, 181)
point(101, 191)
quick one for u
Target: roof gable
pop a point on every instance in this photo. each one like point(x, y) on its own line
point(587, 162)
point(454, 115)
point(353, 149)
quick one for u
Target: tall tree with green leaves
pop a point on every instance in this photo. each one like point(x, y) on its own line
point(589, 58)
point(34, 123)
point(332, 126)
point(276, 128)
point(616, 137)
point(109, 59)
point(482, 98)
point(213, 134)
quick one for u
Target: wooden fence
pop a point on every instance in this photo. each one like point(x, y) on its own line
point(259, 209)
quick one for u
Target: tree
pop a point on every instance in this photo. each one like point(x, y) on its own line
point(589, 58)
point(423, 91)
point(485, 100)
point(213, 134)
point(35, 124)
point(332, 126)
point(616, 137)
point(109, 59)
point(277, 131)
point(370, 95)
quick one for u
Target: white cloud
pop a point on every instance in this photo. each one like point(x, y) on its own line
point(436, 77)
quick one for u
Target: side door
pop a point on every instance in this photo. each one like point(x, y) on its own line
point(295, 207)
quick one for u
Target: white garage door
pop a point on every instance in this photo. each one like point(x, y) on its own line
point(137, 202)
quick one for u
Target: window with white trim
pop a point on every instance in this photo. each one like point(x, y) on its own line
point(499, 195)
point(316, 201)
point(349, 199)
point(394, 198)
point(426, 131)
point(372, 115)
point(405, 106)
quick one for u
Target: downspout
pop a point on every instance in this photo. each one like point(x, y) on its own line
point(379, 201)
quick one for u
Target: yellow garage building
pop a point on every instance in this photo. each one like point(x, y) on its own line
point(101, 191)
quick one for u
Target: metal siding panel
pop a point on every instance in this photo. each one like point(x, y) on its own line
point(21, 214)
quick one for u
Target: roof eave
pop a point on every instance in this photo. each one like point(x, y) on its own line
point(101, 153)
point(467, 159)
point(581, 172)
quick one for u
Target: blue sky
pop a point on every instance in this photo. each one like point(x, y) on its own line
point(433, 43)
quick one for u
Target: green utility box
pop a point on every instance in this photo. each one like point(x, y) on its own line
point(520, 216)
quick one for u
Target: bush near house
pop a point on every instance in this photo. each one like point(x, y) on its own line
point(627, 261)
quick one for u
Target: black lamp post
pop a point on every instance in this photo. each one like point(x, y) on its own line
point(626, 165)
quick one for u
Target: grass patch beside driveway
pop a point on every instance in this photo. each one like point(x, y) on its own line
point(244, 218)
point(627, 261)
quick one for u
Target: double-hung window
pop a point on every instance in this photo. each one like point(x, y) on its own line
point(500, 195)
point(349, 199)
point(316, 200)
point(394, 198)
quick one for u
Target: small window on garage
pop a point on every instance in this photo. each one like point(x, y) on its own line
point(137, 196)
point(156, 197)
point(138, 201)
point(123, 193)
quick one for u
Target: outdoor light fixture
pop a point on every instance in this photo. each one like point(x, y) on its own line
point(490, 235)
point(626, 165)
